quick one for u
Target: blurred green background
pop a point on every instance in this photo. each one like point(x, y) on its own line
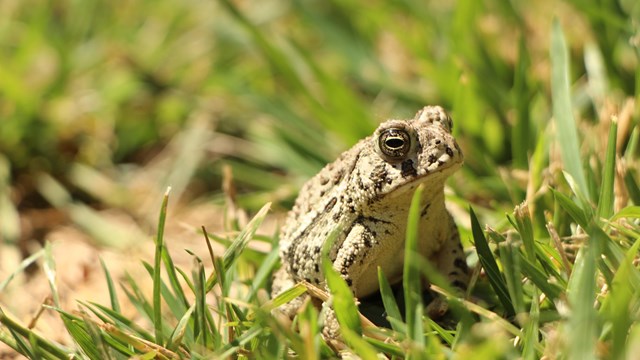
point(103, 104)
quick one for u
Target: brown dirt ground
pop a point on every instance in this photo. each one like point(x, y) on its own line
point(79, 275)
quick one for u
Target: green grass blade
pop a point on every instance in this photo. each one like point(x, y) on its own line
point(496, 279)
point(264, 273)
point(619, 302)
point(285, 297)
point(605, 200)
point(20, 345)
point(174, 304)
point(628, 212)
point(232, 314)
point(214, 333)
point(221, 273)
point(23, 265)
point(525, 229)
point(241, 241)
point(94, 332)
point(361, 347)
point(572, 208)
point(419, 344)
point(510, 258)
point(581, 291)
point(342, 298)
point(632, 187)
point(19, 330)
point(113, 296)
point(540, 279)
point(136, 297)
point(12, 340)
point(389, 301)
point(444, 334)
point(279, 332)
point(538, 161)
point(634, 143)
point(245, 235)
point(110, 316)
point(80, 335)
point(173, 280)
point(176, 337)
point(387, 348)
point(232, 348)
point(157, 271)
point(612, 252)
point(411, 273)
point(530, 331)
point(200, 319)
point(434, 343)
point(309, 332)
point(567, 134)
point(124, 351)
point(50, 273)
point(186, 279)
point(149, 350)
point(549, 258)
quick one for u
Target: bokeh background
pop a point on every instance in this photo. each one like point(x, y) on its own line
point(105, 104)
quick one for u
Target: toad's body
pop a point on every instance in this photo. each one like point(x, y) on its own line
point(366, 194)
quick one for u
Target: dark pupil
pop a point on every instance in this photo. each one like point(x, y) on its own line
point(394, 143)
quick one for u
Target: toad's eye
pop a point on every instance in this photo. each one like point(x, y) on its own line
point(394, 144)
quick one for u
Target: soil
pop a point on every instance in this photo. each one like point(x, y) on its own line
point(79, 275)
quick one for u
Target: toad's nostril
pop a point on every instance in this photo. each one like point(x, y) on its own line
point(449, 151)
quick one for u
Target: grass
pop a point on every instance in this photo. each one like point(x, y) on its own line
point(97, 99)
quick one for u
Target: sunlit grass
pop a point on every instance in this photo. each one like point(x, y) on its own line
point(98, 100)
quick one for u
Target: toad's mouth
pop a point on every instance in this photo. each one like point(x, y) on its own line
point(435, 173)
point(441, 161)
